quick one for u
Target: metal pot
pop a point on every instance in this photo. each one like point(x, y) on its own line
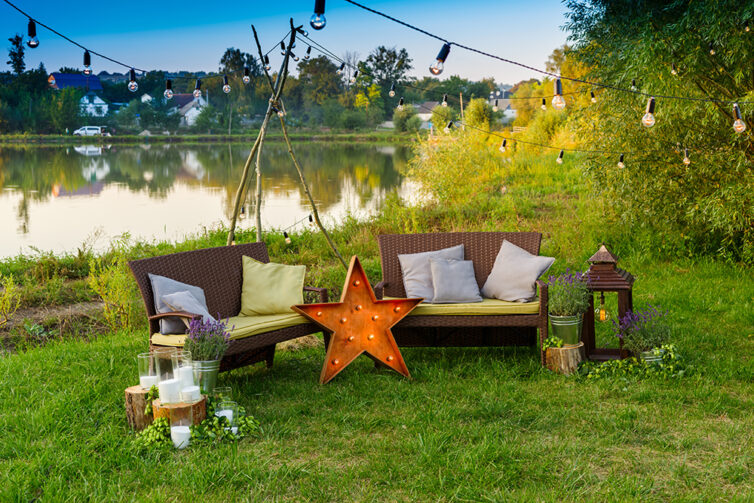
point(205, 374)
point(652, 358)
point(567, 328)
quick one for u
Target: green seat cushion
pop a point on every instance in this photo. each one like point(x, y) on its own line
point(243, 326)
point(270, 288)
point(488, 307)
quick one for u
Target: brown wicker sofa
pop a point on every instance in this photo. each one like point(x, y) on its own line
point(422, 328)
point(219, 272)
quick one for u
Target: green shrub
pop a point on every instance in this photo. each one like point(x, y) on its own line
point(478, 114)
point(568, 294)
point(401, 118)
point(114, 283)
point(353, 119)
point(414, 124)
point(442, 115)
point(10, 299)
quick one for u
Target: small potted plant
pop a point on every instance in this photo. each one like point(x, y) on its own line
point(643, 333)
point(568, 300)
point(207, 341)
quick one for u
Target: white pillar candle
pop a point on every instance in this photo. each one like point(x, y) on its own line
point(186, 375)
point(191, 394)
point(228, 414)
point(148, 381)
point(181, 436)
point(170, 391)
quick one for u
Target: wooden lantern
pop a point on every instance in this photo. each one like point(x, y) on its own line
point(604, 276)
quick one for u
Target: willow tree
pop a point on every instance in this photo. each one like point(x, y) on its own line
point(701, 51)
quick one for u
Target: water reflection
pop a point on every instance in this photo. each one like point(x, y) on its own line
point(54, 198)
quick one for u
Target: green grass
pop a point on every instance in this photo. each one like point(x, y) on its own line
point(476, 424)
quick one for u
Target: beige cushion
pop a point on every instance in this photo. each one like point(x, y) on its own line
point(488, 307)
point(270, 288)
point(243, 326)
point(515, 273)
point(417, 273)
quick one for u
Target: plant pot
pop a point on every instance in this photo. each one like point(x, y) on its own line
point(205, 374)
point(567, 328)
point(652, 357)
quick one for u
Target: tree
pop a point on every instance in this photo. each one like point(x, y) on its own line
point(233, 60)
point(65, 109)
point(387, 67)
point(478, 114)
point(442, 115)
point(402, 117)
point(16, 54)
point(318, 79)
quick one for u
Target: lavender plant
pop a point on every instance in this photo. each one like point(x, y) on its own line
point(568, 294)
point(642, 330)
point(207, 340)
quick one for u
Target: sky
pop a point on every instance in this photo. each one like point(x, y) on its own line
point(193, 35)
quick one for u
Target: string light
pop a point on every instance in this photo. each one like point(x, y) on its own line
point(267, 65)
point(448, 127)
point(502, 145)
point(311, 221)
point(444, 100)
point(87, 63)
point(226, 86)
point(437, 67)
point(620, 162)
point(339, 71)
point(686, 159)
point(711, 49)
point(295, 58)
point(673, 69)
point(649, 118)
point(544, 104)
point(593, 97)
point(494, 107)
point(559, 160)
point(31, 30)
point(318, 20)
point(168, 89)
point(282, 48)
point(558, 103)
point(308, 53)
point(198, 89)
point(246, 78)
point(746, 27)
point(400, 104)
point(287, 238)
point(391, 93)
point(354, 76)
point(738, 125)
point(133, 86)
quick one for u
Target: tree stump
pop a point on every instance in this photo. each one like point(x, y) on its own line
point(565, 360)
point(136, 402)
point(197, 410)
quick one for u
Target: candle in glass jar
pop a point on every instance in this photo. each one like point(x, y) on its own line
point(148, 381)
point(170, 391)
point(181, 436)
point(191, 394)
point(186, 375)
point(227, 414)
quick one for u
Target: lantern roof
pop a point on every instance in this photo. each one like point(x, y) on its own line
point(603, 256)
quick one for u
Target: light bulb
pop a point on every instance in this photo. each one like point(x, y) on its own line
point(673, 69)
point(87, 63)
point(311, 221)
point(303, 32)
point(318, 21)
point(544, 104)
point(594, 98)
point(308, 53)
point(649, 118)
point(444, 100)
point(437, 67)
point(448, 127)
point(226, 86)
point(633, 84)
point(400, 104)
point(739, 126)
point(620, 162)
point(502, 145)
point(287, 238)
point(686, 159)
point(33, 41)
point(267, 65)
point(168, 89)
point(559, 160)
point(391, 93)
point(198, 89)
point(494, 107)
point(282, 48)
point(601, 312)
point(747, 29)
point(295, 58)
point(246, 78)
point(339, 71)
point(281, 112)
point(352, 80)
point(558, 103)
point(132, 85)
point(711, 49)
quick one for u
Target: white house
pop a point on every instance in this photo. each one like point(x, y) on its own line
point(188, 107)
point(146, 98)
point(93, 105)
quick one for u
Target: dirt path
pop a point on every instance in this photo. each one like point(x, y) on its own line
point(44, 313)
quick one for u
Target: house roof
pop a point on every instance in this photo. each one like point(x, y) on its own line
point(62, 80)
point(182, 99)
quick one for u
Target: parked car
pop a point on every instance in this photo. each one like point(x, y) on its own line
point(91, 131)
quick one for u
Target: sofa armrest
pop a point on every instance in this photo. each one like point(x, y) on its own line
point(542, 286)
point(179, 314)
point(323, 296)
point(379, 289)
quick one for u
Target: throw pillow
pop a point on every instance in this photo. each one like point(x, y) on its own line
point(514, 274)
point(184, 301)
point(417, 273)
point(162, 286)
point(454, 281)
point(271, 288)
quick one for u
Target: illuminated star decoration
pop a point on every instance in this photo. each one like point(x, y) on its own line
point(359, 324)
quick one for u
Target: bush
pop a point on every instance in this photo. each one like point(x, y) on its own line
point(568, 294)
point(10, 299)
point(115, 285)
point(353, 119)
point(401, 118)
point(442, 115)
point(642, 330)
point(414, 124)
point(478, 114)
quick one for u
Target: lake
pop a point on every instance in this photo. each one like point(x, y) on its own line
point(55, 198)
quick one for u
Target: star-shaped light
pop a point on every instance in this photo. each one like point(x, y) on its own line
point(359, 324)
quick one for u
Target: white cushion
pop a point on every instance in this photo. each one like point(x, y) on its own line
point(185, 301)
point(417, 273)
point(162, 286)
point(514, 275)
point(454, 281)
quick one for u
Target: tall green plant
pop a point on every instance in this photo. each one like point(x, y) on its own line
point(10, 299)
point(113, 282)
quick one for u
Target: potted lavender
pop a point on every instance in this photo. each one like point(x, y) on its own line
point(643, 333)
point(568, 300)
point(207, 341)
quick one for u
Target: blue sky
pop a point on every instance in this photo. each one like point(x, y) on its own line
point(192, 35)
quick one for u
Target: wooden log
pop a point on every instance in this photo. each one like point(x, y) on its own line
point(565, 360)
point(197, 410)
point(136, 402)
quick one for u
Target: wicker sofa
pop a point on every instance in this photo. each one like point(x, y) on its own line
point(219, 272)
point(490, 323)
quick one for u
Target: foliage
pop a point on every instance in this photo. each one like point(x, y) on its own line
point(672, 365)
point(113, 282)
point(156, 435)
point(16, 54)
point(401, 117)
point(207, 340)
point(568, 294)
point(441, 115)
point(387, 66)
point(234, 60)
point(707, 206)
point(478, 114)
point(552, 342)
point(10, 299)
point(320, 80)
point(642, 330)
point(152, 395)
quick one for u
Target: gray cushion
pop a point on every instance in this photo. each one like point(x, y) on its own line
point(162, 286)
point(184, 301)
point(417, 274)
point(454, 281)
point(514, 275)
